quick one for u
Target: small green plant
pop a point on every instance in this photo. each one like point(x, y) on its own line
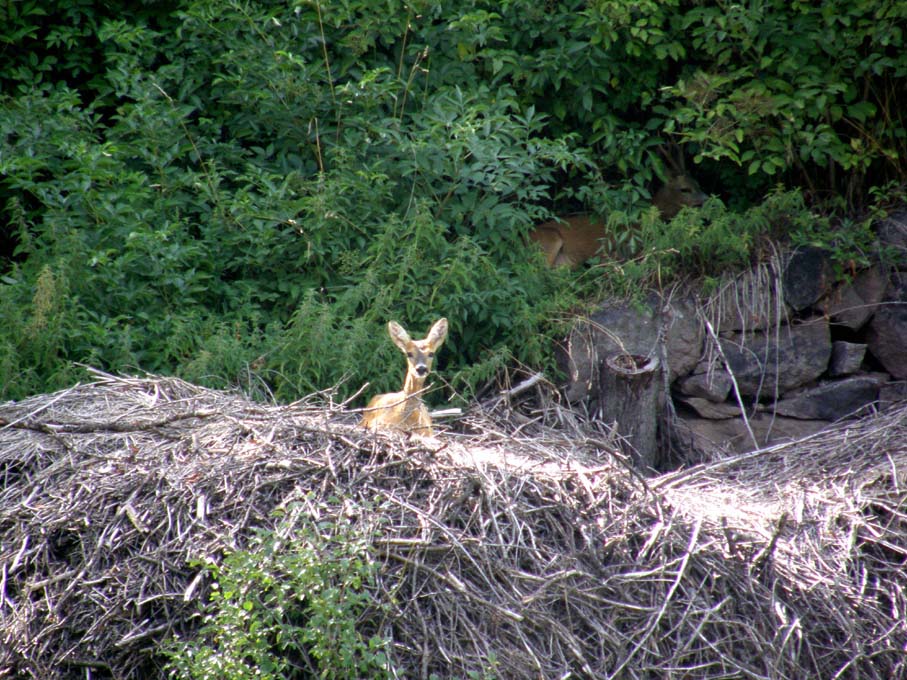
point(292, 604)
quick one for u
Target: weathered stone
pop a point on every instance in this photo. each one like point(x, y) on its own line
point(616, 328)
point(892, 393)
point(892, 232)
point(765, 363)
point(852, 304)
point(807, 277)
point(846, 358)
point(887, 332)
point(684, 337)
point(714, 384)
point(709, 409)
point(830, 400)
point(631, 329)
point(747, 302)
point(713, 439)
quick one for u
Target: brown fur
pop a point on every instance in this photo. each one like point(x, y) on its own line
point(405, 410)
point(570, 241)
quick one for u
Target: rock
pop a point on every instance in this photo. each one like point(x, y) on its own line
point(684, 337)
point(830, 400)
point(709, 409)
point(852, 304)
point(617, 327)
point(846, 358)
point(887, 332)
point(707, 381)
point(748, 301)
point(892, 232)
point(621, 327)
point(713, 439)
point(766, 363)
point(807, 277)
point(891, 393)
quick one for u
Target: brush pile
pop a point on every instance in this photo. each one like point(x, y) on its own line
point(531, 544)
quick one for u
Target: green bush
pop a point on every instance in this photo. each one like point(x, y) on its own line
point(209, 186)
point(289, 605)
point(809, 90)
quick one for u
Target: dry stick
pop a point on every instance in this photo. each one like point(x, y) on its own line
point(769, 548)
point(43, 407)
point(778, 313)
point(523, 386)
point(691, 631)
point(681, 571)
point(746, 422)
point(415, 395)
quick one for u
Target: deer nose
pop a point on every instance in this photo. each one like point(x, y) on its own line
point(421, 369)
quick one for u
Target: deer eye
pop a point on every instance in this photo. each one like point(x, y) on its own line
point(431, 354)
point(409, 354)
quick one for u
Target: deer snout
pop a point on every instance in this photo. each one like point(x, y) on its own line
point(421, 370)
point(697, 199)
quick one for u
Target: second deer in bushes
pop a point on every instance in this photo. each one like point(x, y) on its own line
point(405, 410)
point(570, 241)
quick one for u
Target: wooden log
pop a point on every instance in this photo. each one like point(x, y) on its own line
point(629, 399)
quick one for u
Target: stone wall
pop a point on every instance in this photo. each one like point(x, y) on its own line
point(778, 353)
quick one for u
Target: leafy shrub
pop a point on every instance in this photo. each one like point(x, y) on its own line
point(798, 88)
point(183, 244)
point(210, 186)
point(289, 605)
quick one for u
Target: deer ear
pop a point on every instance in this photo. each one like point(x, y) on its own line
point(673, 158)
point(438, 332)
point(398, 335)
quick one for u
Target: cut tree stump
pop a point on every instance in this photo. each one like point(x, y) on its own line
point(629, 398)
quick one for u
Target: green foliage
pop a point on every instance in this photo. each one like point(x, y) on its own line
point(807, 89)
point(208, 186)
point(289, 605)
point(708, 242)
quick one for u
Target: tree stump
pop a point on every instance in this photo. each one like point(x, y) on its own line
point(629, 398)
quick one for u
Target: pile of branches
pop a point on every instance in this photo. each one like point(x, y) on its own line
point(520, 537)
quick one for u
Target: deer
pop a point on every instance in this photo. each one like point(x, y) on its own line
point(405, 410)
point(571, 241)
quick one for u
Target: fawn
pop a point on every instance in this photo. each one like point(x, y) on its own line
point(405, 410)
point(570, 241)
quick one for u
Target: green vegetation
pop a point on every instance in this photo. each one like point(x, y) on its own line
point(245, 192)
point(288, 606)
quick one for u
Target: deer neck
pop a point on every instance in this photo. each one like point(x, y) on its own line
point(413, 383)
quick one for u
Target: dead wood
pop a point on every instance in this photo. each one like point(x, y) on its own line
point(521, 534)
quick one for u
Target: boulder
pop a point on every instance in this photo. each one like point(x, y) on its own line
point(830, 400)
point(892, 393)
point(685, 334)
point(892, 232)
point(887, 333)
point(748, 301)
point(705, 439)
point(807, 277)
point(707, 381)
point(846, 358)
point(766, 363)
point(632, 329)
point(852, 304)
point(709, 409)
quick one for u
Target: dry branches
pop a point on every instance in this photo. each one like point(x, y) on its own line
point(530, 544)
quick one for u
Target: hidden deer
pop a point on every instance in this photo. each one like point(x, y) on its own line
point(570, 241)
point(405, 410)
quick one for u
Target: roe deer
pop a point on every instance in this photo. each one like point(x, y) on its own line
point(405, 410)
point(570, 241)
